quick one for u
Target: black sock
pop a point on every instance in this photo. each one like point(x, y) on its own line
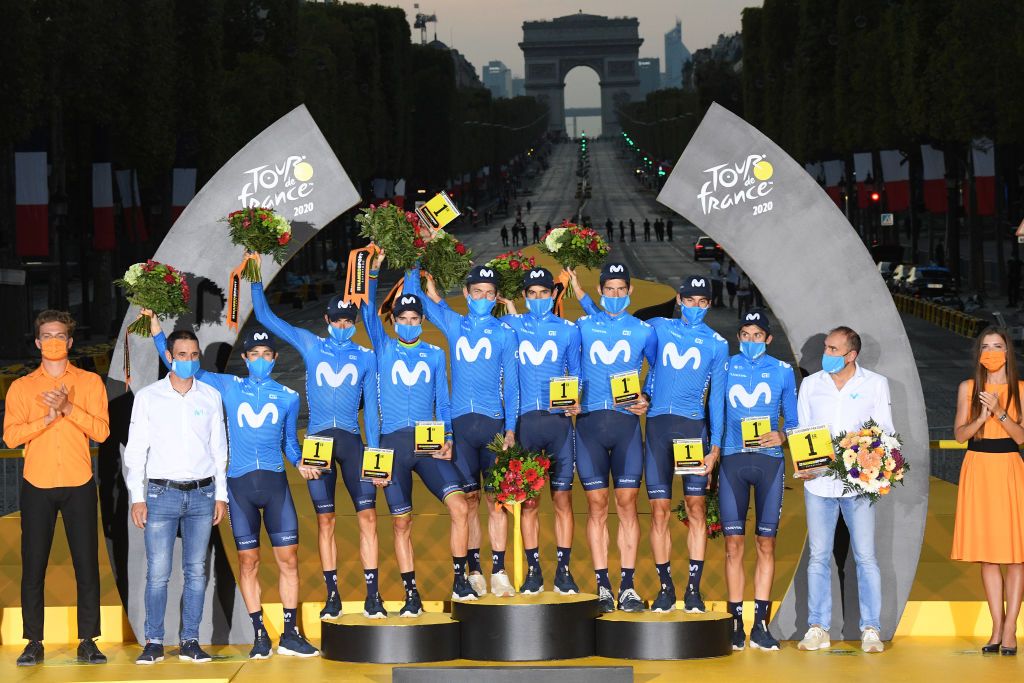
point(474, 561)
point(459, 567)
point(696, 570)
point(257, 623)
point(602, 579)
point(533, 558)
point(290, 627)
point(665, 574)
point(563, 557)
point(497, 561)
point(626, 579)
point(761, 608)
point(371, 582)
point(736, 610)
point(409, 581)
point(331, 579)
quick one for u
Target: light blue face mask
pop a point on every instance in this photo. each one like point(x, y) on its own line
point(260, 368)
point(832, 364)
point(408, 333)
point(540, 307)
point(693, 314)
point(184, 368)
point(341, 334)
point(614, 304)
point(752, 349)
point(480, 306)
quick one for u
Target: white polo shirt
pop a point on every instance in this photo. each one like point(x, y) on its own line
point(864, 397)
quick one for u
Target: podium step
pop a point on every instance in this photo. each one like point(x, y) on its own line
point(675, 635)
point(431, 637)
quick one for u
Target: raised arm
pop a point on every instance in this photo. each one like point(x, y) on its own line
point(217, 380)
point(443, 317)
point(588, 305)
point(371, 319)
point(301, 339)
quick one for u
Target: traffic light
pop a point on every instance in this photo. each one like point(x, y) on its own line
point(875, 197)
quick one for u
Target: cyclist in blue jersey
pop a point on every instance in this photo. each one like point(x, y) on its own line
point(339, 375)
point(261, 415)
point(483, 358)
point(758, 386)
point(686, 388)
point(549, 347)
point(414, 389)
point(608, 434)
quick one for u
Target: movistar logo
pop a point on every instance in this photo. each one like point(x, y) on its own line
point(536, 274)
point(527, 352)
point(486, 272)
point(753, 316)
point(400, 369)
point(325, 373)
point(471, 353)
point(246, 415)
point(608, 356)
point(616, 269)
point(408, 300)
point(698, 282)
point(260, 336)
point(671, 356)
point(749, 400)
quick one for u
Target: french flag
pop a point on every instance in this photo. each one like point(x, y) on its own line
point(131, 205)
point(983, 154)
point(103, 236)
point(834, 180)
point(896, 174)
point(862, 169)
point(183, 189)
point(32, 200)
point(936, 199)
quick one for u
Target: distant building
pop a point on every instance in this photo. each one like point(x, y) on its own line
point(649, 71)
point(465, 73)
point(518, 87)
point(728, 49)
point(498, 79)
point(676, 56)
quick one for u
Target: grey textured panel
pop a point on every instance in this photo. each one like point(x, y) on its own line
point(815, 272)
point(290, 167)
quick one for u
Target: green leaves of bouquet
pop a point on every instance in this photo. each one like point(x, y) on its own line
point(518, 475)
point(398, 232)
point(574, 246)
point(446, 259)
point(156, 286)
point(259, 230)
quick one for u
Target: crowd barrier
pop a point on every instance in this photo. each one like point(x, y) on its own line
point(949, 318)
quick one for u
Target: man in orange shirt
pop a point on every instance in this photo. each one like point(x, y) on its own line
point(55, 411)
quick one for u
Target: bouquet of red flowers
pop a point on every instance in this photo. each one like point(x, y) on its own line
point(573, 246)
point(518, 475)
point(446, 259)
point(712, 515)
point(259, 230)
point(399, 233)
point(158, 287)
point(511, 268)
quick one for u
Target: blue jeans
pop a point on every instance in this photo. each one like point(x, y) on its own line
point(822, 516)
point(167, 510)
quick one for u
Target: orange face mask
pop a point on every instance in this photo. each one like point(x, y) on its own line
point(55, 349)
point(993, 360)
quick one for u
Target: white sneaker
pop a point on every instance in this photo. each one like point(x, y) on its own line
point(870, 641)
point(816, 638)
point(501, 587)
point(478, 583)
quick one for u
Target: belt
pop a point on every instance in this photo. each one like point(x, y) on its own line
point(1004, 445)
point(183, 485)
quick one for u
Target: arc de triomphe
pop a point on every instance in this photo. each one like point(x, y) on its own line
point(551, 49)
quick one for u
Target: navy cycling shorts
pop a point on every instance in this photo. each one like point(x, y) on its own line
point(609, 441)
point(659, 465)
point(347, 455)
point(262, 493)
point(471, 433)
point(552, 434)
point(737, 474)
point(439, 476)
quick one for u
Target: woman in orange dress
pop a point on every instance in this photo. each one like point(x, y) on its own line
point(990, 502)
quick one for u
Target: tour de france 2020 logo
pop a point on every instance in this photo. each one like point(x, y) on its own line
point(744, 183)
point(276, 186)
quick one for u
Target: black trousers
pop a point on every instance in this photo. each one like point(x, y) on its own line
point(39, 508)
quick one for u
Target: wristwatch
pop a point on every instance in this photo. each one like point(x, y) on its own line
point(1002, 418)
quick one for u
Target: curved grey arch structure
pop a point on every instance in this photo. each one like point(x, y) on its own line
point(290, 167)
point(788, 235)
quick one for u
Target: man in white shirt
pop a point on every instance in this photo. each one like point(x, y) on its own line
point(842, 396)
point(176, 440)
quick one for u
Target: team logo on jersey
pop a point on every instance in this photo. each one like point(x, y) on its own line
point(608, 356)
point(527, 352)
point(325, 373)
point(246, 415)
point(671, 356)
point(749, 400)
point(471, 353)
point(400, 369)
point(257, 336)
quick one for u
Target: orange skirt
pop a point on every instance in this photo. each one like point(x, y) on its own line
point(990, 509)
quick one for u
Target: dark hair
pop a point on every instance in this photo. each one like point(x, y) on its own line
point(981, 374)
point(178, 335)
point(852, 338)
point(52, 316)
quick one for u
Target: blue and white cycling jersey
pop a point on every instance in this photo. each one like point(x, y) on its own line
point(610, 345)
point(548, 346)
point(760, 388)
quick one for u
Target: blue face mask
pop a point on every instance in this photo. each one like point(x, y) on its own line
point(185, 368)
point(693, 314)
point(260, 368)
point(480, 306)
point(752, 349)
point(615, 304)
point(341, 334)
point(540, 307)
point(408, 333)
point(832, 364)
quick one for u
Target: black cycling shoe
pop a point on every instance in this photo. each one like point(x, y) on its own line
point(32, 655)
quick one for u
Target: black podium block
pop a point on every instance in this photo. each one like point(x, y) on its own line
point(431, 637)
point(675, 635)
point(527, 628)
point(512, 674)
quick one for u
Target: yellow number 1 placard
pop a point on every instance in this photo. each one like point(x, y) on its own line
point(429, 437)
point(688, 455)
point(811, 448)
point(563, 392)
point(317, 450)
point(378, 464)
point(625, 388)
point(752, 429)
point(438, 211)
